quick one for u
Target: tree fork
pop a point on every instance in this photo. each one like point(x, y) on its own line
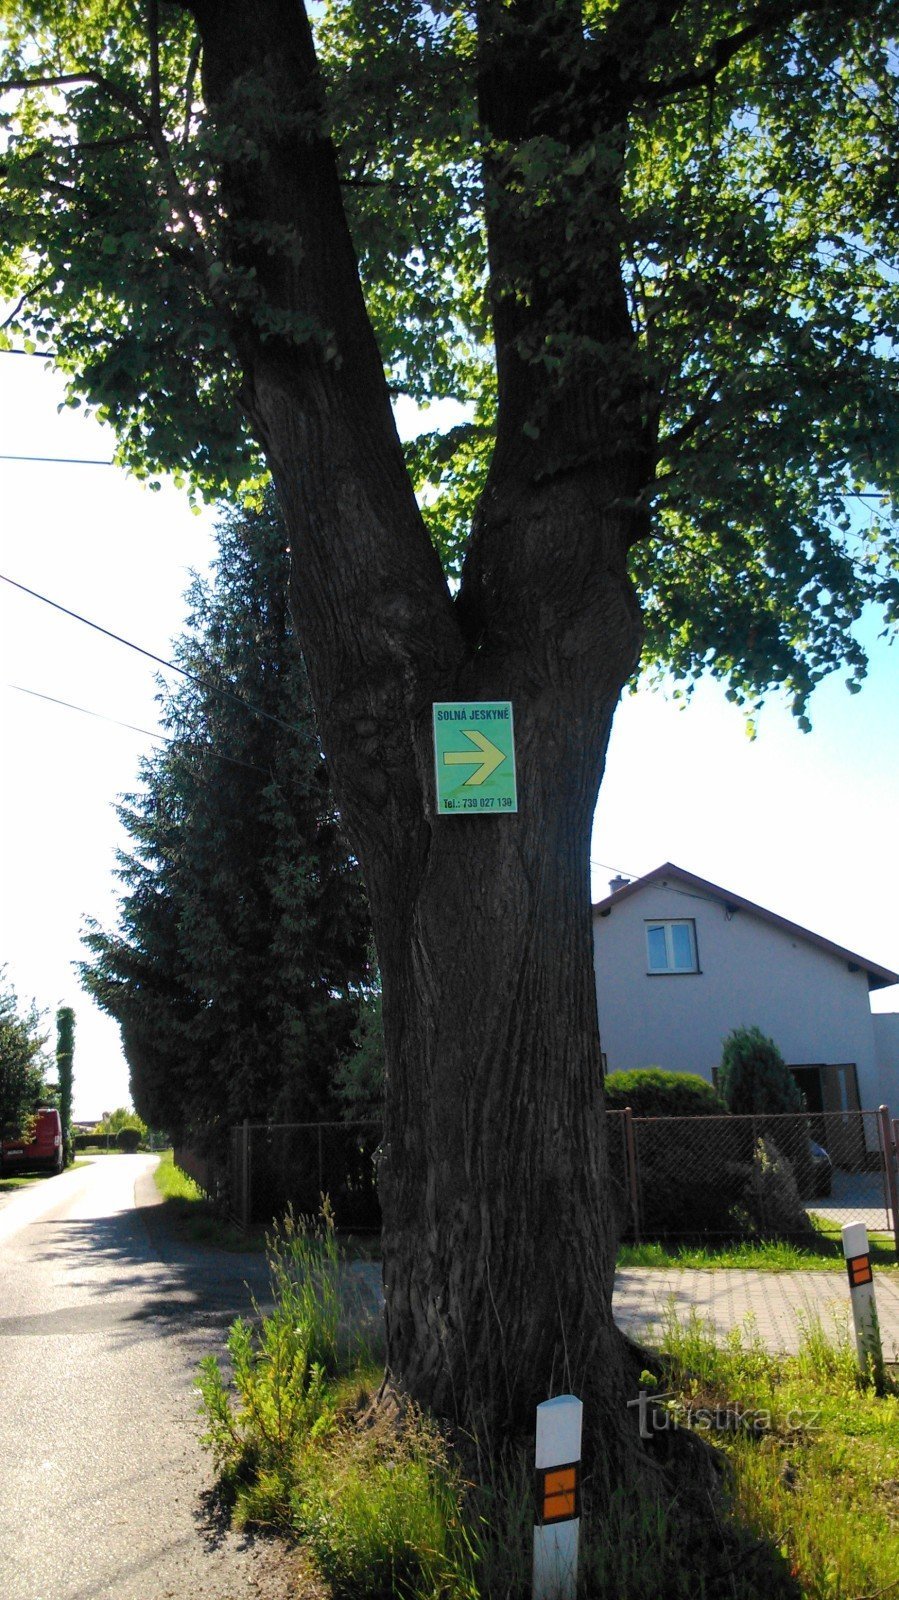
point(498, 1239)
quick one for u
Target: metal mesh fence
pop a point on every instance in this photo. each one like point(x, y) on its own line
point(724, 1177)
point(752, 1176)
point(280, 1166)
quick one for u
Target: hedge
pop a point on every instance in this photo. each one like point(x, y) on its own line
point(650, 1092)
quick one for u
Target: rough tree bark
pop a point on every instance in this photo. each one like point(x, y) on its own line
point(498, 1244)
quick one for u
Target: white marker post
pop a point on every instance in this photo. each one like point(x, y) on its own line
point(861, 1296)
point(558, 1511)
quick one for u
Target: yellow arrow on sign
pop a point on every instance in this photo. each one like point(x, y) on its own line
point(488, 756)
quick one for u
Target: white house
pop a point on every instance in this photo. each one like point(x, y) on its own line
point(680, 962)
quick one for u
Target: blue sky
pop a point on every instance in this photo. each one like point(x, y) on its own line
point(804, 824)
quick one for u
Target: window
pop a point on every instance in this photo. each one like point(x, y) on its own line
point(671, 946)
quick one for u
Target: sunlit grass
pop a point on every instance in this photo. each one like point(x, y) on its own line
point(816, 1456)
point(385, 1511)
point(822, 1251)
point(194, 1217)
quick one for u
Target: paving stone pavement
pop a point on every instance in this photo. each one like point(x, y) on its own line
point(776, 1302)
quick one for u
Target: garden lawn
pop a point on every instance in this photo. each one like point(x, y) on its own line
point(821, 1251)
point(815, 1451)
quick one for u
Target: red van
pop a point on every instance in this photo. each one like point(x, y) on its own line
point(44, 1149)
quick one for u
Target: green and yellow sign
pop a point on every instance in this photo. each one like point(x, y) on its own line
point(474, 755)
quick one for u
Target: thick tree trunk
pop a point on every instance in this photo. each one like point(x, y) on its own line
point(498, 1225)
point(498, 1234)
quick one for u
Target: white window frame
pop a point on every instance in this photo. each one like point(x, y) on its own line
point(666, 924)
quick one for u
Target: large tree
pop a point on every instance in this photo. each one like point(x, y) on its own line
point(241, 954)
point(651, 246)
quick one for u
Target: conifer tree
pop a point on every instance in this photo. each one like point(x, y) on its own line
point(241, 954)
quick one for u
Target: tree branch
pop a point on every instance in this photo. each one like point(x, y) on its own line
point(193, 68)
point(155, 89)
point(59, 80)
point(37, 283)
point(775, 17)
point(367, 586)
point(670, 443)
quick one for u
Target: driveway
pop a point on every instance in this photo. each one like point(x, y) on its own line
point(855, 1197)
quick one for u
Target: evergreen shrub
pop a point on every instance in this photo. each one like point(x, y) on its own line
point(685, 1188)
point(753, 1076)
point(650, 1092)
point(754, 1080)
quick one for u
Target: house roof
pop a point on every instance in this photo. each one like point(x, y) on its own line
point(878, 977)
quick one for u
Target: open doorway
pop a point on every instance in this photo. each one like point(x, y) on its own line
point(833, 1087)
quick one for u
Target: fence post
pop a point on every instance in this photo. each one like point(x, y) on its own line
point(889, 1166)
point(631, 1148)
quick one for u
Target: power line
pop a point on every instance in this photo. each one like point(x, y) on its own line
point(192, 677)
point(65, 461)
point(160, 737)
point(607, 868)
point(36, 694)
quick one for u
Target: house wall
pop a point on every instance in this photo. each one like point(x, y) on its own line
point(886, 1045)
point(808, 1001)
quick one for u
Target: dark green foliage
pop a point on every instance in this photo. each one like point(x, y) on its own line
point(681, 1194)
point(753, 1076)
point(22, 1062)
point(292, 1167)
point(746, 184)
point(690, 1188)
point(771, 1200)
point(755, 1080)
point(128, 1139)
point(359, 1080)
point(651, 1092)
point(240, 959)
point(89, 1141)
point(65, 1054)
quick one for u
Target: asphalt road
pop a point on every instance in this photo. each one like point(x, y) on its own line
point(104, 1487)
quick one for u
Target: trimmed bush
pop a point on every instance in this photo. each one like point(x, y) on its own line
point(650, 1092)
point(128, 1139)
point(753, 1076)
point(687, 1188)
point(692, 1180)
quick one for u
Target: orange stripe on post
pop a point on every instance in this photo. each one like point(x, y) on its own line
point(859, 1269)
point(558, 1494)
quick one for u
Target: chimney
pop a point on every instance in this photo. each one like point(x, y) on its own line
point(618, 883)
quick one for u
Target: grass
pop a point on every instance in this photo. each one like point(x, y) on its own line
point(812, 1511)
point(823, 1250)
point(21, 1180)
point(815, 1451)
point(193, 1216)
